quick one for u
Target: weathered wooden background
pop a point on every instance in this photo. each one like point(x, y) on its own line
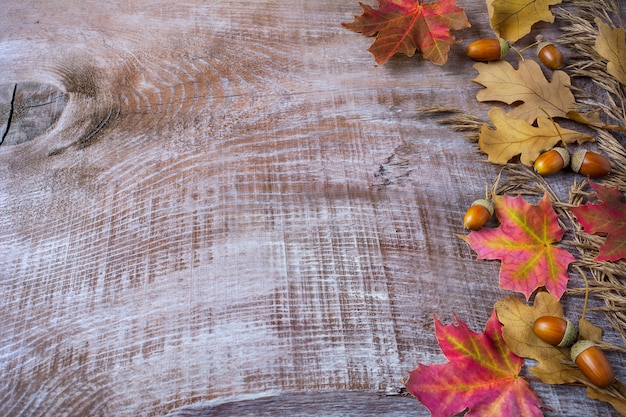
point(224, 208)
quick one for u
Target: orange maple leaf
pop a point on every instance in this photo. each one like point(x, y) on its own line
point(404, 26)
point(524, 242)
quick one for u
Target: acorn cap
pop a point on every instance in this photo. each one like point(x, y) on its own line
point(564, 154)
point(485, 203)
point(542, 45)
point(504, 47)
point(571, 334)
point(577, 159)
point(579, 347)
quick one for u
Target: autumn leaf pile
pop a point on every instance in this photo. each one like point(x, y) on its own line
point(483, 372)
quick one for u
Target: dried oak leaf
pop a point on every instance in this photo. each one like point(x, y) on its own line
point(611, 46)
point(617, 401)
point(513, 19)
point(526, 84)
point(482, 375)
point(512, 137)
point(608, 217)
point(554, 365)
point(524, 242)
point(404, 26)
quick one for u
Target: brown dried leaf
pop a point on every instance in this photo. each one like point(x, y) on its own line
point(527, 84)
point(554, 364)
point(591, 118)
point(615, 396)
point(513, 19)
point(512, 137)
point(611, 46)
point(589, 331)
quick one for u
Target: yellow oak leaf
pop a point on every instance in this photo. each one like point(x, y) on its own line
point(526, 84)
point(513, 19)
point(554, 365)
point(611, 46)
point(512, 137)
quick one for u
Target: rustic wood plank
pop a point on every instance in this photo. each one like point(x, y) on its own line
point(235, 204)
point(28, 110)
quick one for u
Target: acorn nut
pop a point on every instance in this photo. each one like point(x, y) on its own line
point(593, 363)
point(590, 164)
point(550, 55)
point(477, 215)
point(489, 49)
point(552, 161)
point(555, 331)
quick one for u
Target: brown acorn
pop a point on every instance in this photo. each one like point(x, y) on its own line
point(552, 161)
point(477, 215)
point(593, 363)
point(555, 331)
point(550, 55)
point(590, 164)
point(489, 49)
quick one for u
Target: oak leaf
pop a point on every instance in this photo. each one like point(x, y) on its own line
point(404, 26)
point(513, 19)
point(609, 396)
point(554, 365)
point(482, 374)
point(524, 242)
point(526, 84)
point(611, 46)
point(512, 137)
point(607, 217)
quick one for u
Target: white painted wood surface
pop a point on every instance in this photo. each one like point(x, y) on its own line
point(234, 205)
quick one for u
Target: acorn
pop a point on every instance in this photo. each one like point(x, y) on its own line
point(477, 215)
point(593, 363)
point(552, 161)
point(549, 54)
point(590, 164)
point(555, 331)
point(489, 49)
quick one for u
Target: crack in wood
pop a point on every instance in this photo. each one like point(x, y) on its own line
point(11, 110)
point(53, 101)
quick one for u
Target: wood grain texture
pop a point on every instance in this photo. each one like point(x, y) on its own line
point(235, 204)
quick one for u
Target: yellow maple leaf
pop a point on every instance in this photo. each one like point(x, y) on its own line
point(611, 46)
point(512, 137)
point(513, 19)
point(526, 84)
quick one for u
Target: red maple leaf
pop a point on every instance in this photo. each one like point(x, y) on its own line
point(608, 217)
point(482, 374)
point(524, 242)
point(404, 26)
